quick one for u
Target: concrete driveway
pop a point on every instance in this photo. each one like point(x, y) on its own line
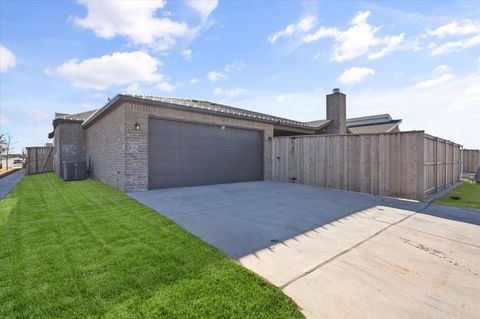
point(339, 254)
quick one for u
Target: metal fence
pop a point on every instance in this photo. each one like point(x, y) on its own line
point(39, 159)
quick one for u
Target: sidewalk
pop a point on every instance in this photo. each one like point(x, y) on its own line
point(8, 182)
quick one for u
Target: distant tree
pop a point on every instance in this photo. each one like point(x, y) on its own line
point(3, 142)
point(5, 146)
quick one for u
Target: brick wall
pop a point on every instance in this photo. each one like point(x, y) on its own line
point(118, 153)
point(69, 145)
point(56, 152)
point(106, 148)
point(136, 143)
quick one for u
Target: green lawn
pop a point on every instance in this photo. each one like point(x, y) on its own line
point(469, 193)
point(82, 249)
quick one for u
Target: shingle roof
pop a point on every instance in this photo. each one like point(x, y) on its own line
point(373, 123)
point(369, 120)
point(78, 117)
point(373, 128)
point(75, 117)
point(210, 107)
point(380, 123)
point(319, 122)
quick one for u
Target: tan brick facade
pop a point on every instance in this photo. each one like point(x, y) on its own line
point(106, 148)
point(118, 153)
point(69, 145)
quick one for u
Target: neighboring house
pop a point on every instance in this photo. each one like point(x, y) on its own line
point(136, 143)
point(382, 123)
point(14, 160)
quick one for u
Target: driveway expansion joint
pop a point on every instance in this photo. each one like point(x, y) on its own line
point(349, 249)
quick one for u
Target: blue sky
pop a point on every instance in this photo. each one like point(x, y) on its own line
point(418, 61)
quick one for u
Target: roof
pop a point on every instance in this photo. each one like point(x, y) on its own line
point(369, 120)
point(204, 107)
point(75, 117)
point(320, 123)
point(374, 128)
point(380, 123)
point(64, 117)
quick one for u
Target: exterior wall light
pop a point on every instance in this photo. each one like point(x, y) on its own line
point(137, 126)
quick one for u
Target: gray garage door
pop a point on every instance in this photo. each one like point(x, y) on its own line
point(188, 154)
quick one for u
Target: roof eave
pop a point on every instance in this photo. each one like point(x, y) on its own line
point(101, 111)
point(379, 123)
point(324, 125)
point(394, 126)
point(127, 98)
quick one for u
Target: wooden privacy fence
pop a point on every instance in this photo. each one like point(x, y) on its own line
point(443, 163)
point(391, 164)
point(39, 159)
point(471, 161)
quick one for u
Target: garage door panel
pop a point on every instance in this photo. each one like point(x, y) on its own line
point(187, 154)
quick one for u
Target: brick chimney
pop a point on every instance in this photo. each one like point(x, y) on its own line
point(337, 112)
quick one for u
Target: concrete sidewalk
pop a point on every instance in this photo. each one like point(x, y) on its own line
point(339, 254)
point(8, 182)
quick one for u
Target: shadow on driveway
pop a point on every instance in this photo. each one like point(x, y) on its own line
point(242, 218)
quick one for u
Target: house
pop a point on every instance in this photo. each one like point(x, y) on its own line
point(136, 143)
point(14, 160)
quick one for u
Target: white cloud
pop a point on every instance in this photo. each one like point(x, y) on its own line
point(37, 116)
point(215, 76)
point(453, 46)
point(228, 93)
point(187, 54)
point(392, 43)
point(133, 88)
point(321, 33)
point(304, 25)
point(119, 68)
point(468, 28)
point(434, 82)
point(455, 28)
point(4, 119)
point(7, 59)
point(90, 106)
point(357, 40)
point(165, 87)
point(430, 109)
point(442, 69)
point(236, 65)
point(203, 7)
point(135, 20)
point(194, 81)
point(355, 75)
point(474, 89)
point(281, 98)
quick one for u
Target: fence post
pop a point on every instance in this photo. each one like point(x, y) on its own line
point(421, 189)
point(446, 170)
point(436, 164)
